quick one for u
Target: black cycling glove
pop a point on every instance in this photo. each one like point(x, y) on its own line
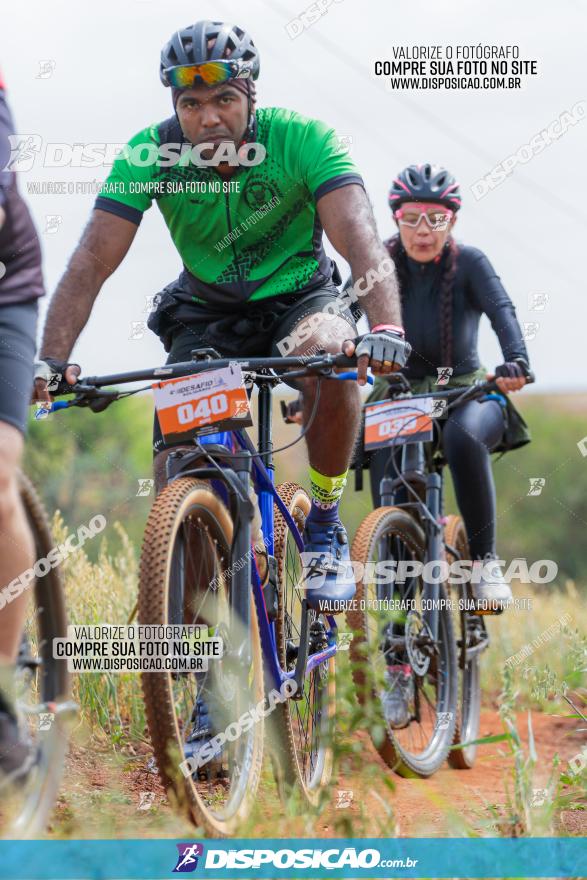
point(53, 372)
point(516, 369)
point(383, 345)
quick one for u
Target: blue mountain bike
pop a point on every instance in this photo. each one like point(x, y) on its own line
point(222, 549)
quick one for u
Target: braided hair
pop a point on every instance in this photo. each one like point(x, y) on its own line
point(448, 259)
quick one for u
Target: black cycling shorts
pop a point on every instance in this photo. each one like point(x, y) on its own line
point(18, 325)
point(251, 332)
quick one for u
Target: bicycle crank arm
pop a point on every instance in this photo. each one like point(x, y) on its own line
point(476, 648)
point(398, 643)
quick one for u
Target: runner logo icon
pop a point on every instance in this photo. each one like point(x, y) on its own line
point(187, 860)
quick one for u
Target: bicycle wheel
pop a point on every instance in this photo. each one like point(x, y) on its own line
point(389, 639)
point(469, 701)
point(42, 687)
point(184, 579)
point(301, 727)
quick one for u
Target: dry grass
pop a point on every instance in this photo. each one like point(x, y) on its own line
point(111, 741)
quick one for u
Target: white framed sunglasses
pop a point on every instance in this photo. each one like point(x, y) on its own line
point(437, 216)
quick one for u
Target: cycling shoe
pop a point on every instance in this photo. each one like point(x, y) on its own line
point(198, 748)
point(398, 696)
point(328, 575)
point(17, 753)
point(492, 594)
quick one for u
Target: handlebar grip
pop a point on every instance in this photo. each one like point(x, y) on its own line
point(342, 360)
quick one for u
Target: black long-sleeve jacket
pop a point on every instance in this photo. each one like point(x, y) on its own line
point(477, 290)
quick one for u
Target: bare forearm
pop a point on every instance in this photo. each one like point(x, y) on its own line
point(71, 307)
point(372, 266)
point(348, 221)
point(104, 243)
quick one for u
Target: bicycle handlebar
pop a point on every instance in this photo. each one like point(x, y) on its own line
point(89, 391)
point(191, 368)
point(475, 390)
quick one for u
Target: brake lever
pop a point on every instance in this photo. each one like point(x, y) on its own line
point(99, 404)
point(92, 397)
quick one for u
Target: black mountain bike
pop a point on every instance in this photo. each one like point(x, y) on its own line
point(414, 631)
point(42, 687)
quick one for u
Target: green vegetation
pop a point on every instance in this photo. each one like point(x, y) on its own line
point(84, 464)
point(546, 526)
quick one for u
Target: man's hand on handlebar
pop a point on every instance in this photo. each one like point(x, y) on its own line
point(53, 377)
point(511, 376)
point(384, 349)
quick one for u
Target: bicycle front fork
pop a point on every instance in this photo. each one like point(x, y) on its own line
point(434, 550)
point(241, 559)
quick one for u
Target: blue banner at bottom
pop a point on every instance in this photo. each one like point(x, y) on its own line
point(257, 858)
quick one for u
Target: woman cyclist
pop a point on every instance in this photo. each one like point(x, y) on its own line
point(445, 289)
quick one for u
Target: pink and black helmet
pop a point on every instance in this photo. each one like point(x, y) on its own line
point(425, 183)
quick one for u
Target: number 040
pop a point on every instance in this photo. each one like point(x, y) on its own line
point(215, 405)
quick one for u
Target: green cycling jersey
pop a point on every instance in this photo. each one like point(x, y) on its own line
point(254, 236)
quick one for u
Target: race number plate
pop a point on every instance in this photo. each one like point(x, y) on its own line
point(398, 421)
point(213, 401)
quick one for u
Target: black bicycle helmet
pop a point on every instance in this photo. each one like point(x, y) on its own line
point(425, 183)
point(191, 46)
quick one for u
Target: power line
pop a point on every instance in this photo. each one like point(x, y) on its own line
point(338, 52)
point(510, 236)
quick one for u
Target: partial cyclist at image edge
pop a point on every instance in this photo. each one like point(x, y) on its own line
point(445, 289)
point(254, 264)
point(21, 285)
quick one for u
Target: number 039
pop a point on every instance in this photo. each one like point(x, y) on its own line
point(208, 406)
point(393, 426)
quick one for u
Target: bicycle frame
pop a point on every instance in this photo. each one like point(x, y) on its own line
point(242, 463)
point(415, 470)
point(237, 451)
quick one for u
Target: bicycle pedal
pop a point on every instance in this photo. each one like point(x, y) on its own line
point(488, 612)
point(291, 653)
point(29, 662)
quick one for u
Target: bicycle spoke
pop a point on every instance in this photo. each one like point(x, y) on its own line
point(411, 681)
point(306, 719)
point(199, 594)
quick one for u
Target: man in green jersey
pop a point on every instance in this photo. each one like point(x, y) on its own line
point(246, 194)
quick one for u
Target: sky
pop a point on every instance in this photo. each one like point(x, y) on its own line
point(104, 87)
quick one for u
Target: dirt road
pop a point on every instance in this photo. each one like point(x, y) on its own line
point(126, 797)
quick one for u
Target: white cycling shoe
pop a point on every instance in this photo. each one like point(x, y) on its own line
point(397, 700)
point(492, 594)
